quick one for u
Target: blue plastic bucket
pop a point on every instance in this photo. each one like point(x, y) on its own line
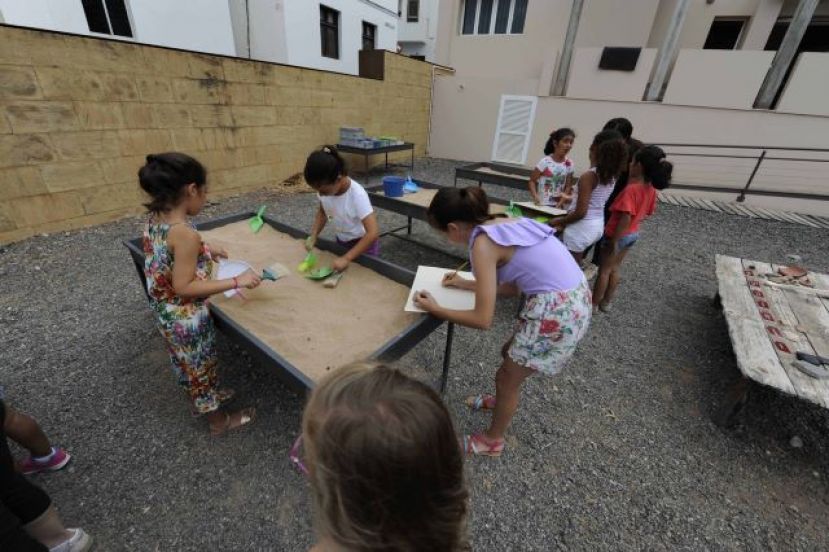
point(393, 186)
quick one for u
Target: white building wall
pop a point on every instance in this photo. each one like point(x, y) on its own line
point(54, 15)
point(418, 39)
point(200, 25)
point(302, 31)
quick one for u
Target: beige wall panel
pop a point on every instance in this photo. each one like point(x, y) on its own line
point(588, 81)
point(717, 78)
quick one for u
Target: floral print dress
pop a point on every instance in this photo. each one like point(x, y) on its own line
point(185, 324)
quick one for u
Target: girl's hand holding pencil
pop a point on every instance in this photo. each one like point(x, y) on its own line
point(453, 279)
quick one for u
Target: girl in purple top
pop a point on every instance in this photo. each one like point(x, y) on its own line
point(511, 256)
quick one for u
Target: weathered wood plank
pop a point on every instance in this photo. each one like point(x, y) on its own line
point(756, 356)
point(807, 387)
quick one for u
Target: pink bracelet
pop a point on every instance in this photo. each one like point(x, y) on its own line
point(235, 283)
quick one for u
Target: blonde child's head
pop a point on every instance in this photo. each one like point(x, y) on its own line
point(384, 461)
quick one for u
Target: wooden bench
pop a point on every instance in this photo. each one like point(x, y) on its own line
point(768, 324)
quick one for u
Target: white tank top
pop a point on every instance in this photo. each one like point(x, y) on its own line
point(595, 207)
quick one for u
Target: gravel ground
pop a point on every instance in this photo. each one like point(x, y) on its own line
point(617, 452)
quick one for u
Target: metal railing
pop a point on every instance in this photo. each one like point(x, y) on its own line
point(760, 157)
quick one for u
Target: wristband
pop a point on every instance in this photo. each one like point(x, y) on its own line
point(235, 283)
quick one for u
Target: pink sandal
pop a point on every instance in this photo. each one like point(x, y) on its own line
point(481, 445)
point(484, 401)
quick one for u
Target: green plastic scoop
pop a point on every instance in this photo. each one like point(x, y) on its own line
point(513, 211)
point(320, 273)
point(307, 263)
point(257, 222)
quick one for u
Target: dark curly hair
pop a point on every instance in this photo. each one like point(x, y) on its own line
point(556, 136)
point(611, 154)
point(164, 177)
point(656, 169)
point(621, 125)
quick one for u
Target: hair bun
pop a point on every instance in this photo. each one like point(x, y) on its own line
point(151, 158)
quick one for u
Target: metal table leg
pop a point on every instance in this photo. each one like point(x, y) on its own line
point(409, 226)
point(412, 160)
point(447, 357)
point(387, 161)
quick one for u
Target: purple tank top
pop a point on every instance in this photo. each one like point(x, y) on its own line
point(540, 263)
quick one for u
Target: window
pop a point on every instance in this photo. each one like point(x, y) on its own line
point(369, 32)
point(413, 11)
point(330, 32)
point(724, 34)
point(107, 17)
point(493, 17)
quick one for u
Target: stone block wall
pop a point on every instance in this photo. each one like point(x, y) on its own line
point(78, 115)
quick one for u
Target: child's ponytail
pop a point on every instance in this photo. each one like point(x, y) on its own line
point(324, 166)
point(656, 169)
point(458, 205)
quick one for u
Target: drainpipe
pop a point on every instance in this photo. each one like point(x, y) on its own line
point(560, 83)
point(785, 54)
point(431, 102)
point(667, 52)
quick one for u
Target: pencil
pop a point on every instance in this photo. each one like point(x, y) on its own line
point(463, 265)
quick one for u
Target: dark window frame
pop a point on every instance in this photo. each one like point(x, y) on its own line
point(369, 35)
point(711, 41)
point(498, 17)
point(329, 32)
point(409, 17)
point(108, 17)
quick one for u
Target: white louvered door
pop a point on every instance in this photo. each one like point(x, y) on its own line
point(515, 123)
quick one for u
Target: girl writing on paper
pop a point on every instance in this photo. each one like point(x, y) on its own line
point(511, 256)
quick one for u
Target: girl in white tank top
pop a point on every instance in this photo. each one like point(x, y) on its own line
point(584, 223)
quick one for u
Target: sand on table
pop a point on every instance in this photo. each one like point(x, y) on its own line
point(314, 328)
point(424, 196)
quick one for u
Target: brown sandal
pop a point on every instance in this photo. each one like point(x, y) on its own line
point(238, 419)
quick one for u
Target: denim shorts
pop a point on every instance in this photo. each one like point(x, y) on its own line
point(628, 240)
point(625, 242)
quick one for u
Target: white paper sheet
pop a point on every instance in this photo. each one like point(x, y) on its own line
point(530, 206)
point(230, 269)
point(428, 278)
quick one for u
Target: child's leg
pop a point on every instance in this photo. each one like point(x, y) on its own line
point(603, 279)
point(25, 431)
point(508, 382)
point(614, 277)
point(48, 528)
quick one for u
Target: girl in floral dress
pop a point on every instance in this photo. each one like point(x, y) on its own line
point(551, 181)
point(511, 256)
point(178, 267)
